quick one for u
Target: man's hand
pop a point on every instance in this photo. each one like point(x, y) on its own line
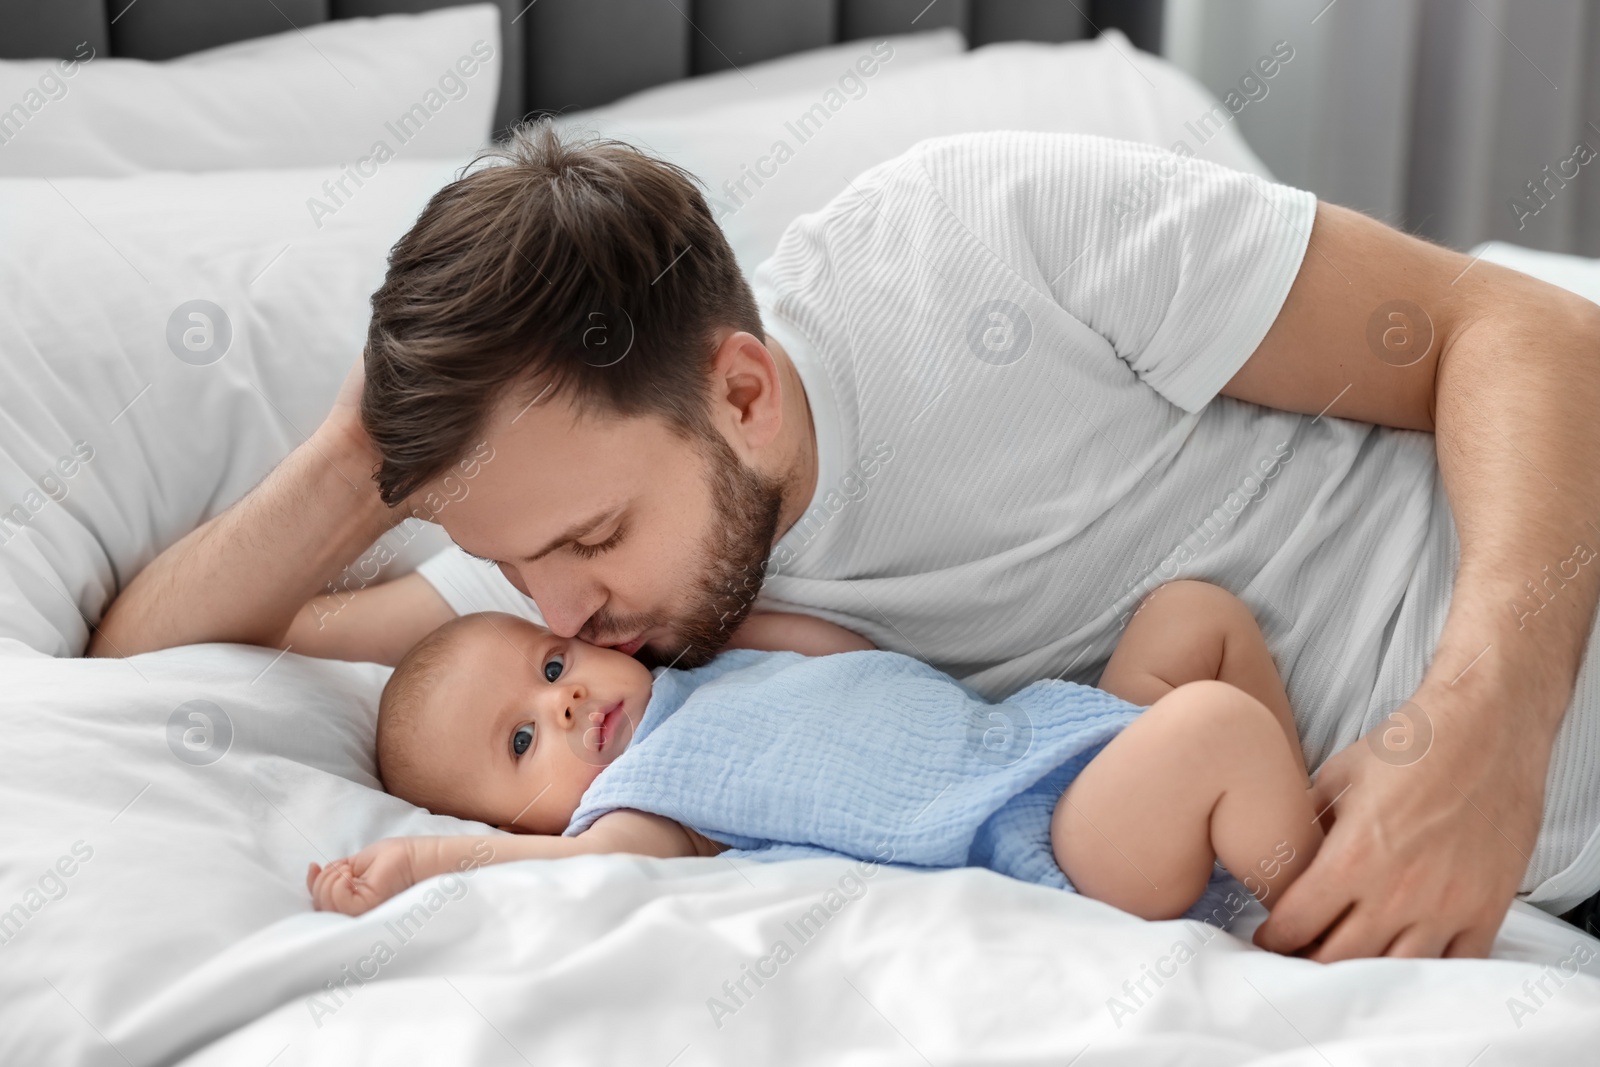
point(1505, 371)
point(361, 882)
point(250, 574)
point(347, 404)
point(1431, 833)
point(352, 450)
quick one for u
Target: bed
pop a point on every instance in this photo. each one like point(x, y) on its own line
point(158, 813)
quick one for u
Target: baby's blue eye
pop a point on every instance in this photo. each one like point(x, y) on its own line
point(553, 662)
point(522, 740)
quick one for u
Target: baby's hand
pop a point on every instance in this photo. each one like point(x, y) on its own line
point(361, 882)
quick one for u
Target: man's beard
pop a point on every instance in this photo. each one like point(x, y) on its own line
point(745, 506)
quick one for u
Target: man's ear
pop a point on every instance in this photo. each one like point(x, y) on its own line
point(747, 388)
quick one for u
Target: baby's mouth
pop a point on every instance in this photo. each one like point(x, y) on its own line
point(611, 721)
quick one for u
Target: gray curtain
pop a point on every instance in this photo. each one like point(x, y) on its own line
point(1461, 120)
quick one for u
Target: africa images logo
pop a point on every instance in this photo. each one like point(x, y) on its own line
point(999, 332)
point(199, 332)
point(199, 733)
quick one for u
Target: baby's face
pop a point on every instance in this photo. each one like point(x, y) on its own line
point(523, 721)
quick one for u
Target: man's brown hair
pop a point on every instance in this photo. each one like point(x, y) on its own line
point(572, 264)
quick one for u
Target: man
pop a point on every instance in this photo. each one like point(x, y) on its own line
point(975, 410)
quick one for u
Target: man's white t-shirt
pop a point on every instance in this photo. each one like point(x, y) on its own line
point(1013, 345)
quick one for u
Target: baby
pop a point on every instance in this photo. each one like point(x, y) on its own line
point(1184, 753)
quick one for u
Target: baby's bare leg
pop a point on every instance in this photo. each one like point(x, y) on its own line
point(1188, 631)
point(1203, 774)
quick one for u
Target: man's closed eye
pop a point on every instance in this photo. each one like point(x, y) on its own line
point(590, 551)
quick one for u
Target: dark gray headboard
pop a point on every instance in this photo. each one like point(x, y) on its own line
point(567, 54)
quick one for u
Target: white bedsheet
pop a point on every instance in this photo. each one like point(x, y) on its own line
point(618, 960)
point(186, 933)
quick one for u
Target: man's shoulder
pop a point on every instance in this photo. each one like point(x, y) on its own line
point(990, 141)
point(1009, 148)
point(961, 171)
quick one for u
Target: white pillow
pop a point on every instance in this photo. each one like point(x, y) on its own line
point(156, 811)
point(1104, 86)
point(356, 92)
point(814, 69)
point(115, 438)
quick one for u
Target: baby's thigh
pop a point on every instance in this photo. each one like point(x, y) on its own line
point(1133, 829)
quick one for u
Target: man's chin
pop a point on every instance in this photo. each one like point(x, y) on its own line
point(675, 654)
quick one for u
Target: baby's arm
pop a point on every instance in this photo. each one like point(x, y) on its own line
point(361, 882)
point(1188, 631)
point(782, 631)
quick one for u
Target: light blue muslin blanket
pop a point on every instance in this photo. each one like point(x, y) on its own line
point(870, 755)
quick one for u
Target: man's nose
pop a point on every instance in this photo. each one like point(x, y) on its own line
point(565, 610)
point(561, 622)
point(514, 576)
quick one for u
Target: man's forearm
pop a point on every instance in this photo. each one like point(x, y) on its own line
point(1454, 780)
point(242, 576)
point(1518, 445)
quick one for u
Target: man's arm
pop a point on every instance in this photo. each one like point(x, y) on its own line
point(377, 624)
point(250, 574)
point(1425, 857)
point(783, 631)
